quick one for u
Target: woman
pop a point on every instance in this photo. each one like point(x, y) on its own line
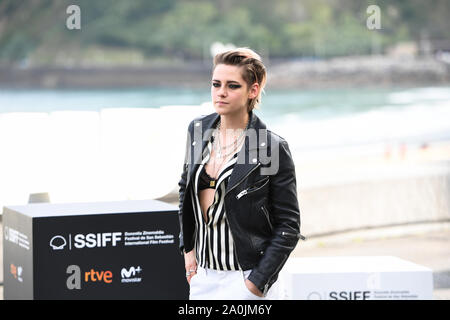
point(239, 214)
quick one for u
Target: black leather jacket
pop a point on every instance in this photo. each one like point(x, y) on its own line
point(261, 199)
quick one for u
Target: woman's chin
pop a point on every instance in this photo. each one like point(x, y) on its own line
point(221, 109)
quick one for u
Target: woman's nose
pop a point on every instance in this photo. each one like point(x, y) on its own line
point(222, 91)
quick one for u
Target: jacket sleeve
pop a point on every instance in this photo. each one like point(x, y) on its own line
point(285, 212)
point(182, 190)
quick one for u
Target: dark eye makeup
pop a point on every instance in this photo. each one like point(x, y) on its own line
point(230, 85)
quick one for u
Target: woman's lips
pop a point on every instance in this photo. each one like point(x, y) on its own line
point(221, 102)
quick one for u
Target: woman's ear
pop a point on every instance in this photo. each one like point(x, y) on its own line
point(254, 91)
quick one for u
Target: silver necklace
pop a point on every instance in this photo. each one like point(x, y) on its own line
point(234, 144)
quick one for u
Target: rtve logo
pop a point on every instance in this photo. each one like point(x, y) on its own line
point(75, 278)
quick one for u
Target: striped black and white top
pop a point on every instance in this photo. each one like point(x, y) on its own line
point(214, 242)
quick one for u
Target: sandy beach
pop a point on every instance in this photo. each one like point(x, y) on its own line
point(345, 193)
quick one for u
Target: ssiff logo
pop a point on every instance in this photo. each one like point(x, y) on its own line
point(90, 240)
point(58, 242)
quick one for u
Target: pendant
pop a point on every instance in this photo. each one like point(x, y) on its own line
point(212, 183)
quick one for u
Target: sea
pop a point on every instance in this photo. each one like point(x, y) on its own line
point(317, 118)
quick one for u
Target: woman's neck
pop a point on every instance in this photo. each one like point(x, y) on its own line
point(234, 121)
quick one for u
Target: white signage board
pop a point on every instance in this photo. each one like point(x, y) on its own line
point(357, 278)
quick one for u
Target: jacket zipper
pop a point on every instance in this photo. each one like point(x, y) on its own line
point(248, 190)
point(284, 233)
point(267, 217)
point(240, 181)
point(242, 193)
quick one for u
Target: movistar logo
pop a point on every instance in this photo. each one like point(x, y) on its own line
point(131, 274)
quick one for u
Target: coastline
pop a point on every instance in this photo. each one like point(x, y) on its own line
point(376, 70)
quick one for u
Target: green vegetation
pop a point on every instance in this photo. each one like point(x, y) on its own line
point(185, 29)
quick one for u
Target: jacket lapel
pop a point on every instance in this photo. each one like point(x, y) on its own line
point(248, 157)
point(198, 144)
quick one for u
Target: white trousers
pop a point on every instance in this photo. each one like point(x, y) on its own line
point(209, 284)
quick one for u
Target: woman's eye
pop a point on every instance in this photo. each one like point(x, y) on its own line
point(231, 86)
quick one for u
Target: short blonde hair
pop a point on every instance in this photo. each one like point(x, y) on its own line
point(254, 70)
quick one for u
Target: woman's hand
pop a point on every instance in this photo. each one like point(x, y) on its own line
point(190, 264)
point(253, 289)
